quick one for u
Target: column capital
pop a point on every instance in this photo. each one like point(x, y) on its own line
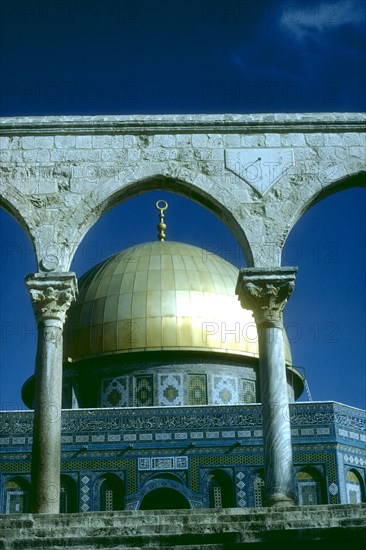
point(51, 294)
point(265, 292)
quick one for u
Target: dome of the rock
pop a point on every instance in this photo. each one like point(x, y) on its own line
point(160, 324)
point(160, 296)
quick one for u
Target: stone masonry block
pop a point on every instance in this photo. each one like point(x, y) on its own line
point(199, 140)
point(118, 142)
point(253, 141)
point(183, 140)
point(84, 142)
point(130, 141)
point(4, 156)
point(333, 139)
point(44, 142)
point(203, 154)
point(164, 141)
point(6, 141)
point(114, 155)
point(26, 142)
point(315, 139)
point(350, 139)
point(75, 155)
point(102, 142)
point(64, 142)
point(217, 154)
point(272, 140)
point(359, 152)
point(296, 140)
point(214, 140)
point(134, 155)
point(37, 156)
point(232, 140)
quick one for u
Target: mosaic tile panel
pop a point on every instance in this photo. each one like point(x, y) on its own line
point(224, 390)
point(240, 490)
point(197, 389)
point(143, 390)
point(114, 392)
point(249, 394)
point(163, 463)
point(85, 494)
point(170, 389)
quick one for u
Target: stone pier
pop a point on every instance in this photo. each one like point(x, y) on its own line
point(266, 292)
point(51, 297)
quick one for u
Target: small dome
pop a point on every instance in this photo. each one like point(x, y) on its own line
point(160, 296)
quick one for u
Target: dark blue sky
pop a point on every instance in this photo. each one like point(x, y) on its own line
point(160, 56)
point(197, 56)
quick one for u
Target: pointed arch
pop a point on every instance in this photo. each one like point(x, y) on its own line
point(194, 187)
point(355, 487)
point(220, 489)
point(12, 202)
point(165, 493)
point(68, 495)
point(16, 495)
point(357, 179)
point(310, 486)
point(109, 492)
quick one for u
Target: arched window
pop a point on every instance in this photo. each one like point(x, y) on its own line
point(354, 487)
point(68, 495)
point(220, 490)
point(111, 493)
point(310, 487)
point(259, 489)
point(17, 496)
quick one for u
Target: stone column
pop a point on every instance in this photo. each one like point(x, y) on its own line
point(265, 292)
point(51, 296)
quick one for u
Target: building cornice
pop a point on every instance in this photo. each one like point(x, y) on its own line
point(184, 123)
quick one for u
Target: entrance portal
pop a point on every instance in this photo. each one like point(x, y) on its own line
point(164, 499)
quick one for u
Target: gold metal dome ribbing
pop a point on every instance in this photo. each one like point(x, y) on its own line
point(160, 296)
point(161, 205)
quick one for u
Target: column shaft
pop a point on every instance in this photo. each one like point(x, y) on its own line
point(275, 417)
point(51, 297)
point(265, 292)
point(47, 419)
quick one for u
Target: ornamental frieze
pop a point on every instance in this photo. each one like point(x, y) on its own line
point(21, 423)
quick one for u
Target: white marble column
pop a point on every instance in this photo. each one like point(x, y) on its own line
point(51, 295)
point(265, 292)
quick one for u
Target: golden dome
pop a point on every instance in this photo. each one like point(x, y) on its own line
point(160, 296)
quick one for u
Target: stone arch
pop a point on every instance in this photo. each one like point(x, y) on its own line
point(18, 259)
point(12, 202)
point(193, 186)
point(310, 486)
point(16, 495)
point(357, 179)
point(355, 487)
point(109, 492)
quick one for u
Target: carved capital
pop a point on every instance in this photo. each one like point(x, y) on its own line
point(265, 292)
point(51, 295)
